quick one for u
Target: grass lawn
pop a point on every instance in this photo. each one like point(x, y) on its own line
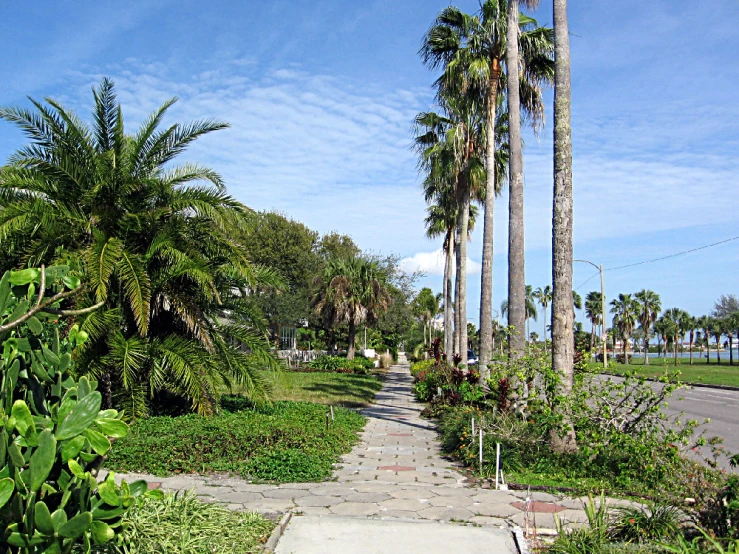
point(338, 389)
point(281, 442)
point(699, 372)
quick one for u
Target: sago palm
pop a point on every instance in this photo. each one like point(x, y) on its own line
point(157, 243)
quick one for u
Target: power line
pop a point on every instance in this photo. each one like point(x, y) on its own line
point(671, 255)
point(589, 279)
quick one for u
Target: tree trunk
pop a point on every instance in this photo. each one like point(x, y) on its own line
point(448, 302)
point(516, 258)
point(352, 335)
point(463, 219)
point(646, 348)
point(731, 349)
point(718, 355)
point(691, 347)
point(464, 208)
point(562, 313)
point(486, 284)
point(457, 283)
point(545, 330)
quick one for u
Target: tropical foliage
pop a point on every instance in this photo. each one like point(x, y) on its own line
point(158, 245)
point(352, 291)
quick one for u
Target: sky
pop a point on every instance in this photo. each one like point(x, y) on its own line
point(321, 98)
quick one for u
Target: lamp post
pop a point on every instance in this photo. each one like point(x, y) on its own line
point(603, 309)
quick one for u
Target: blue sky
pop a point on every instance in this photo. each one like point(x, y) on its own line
point(321, 98)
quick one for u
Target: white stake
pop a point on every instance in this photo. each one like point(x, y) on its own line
point(481, 448)
point(497, 464)
point(332, 412)
point(473, 426)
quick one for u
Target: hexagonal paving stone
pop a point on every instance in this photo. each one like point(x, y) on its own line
point(415, 492)
point(446, 514)
point(355, 509)
point(492, 521)
point(367, 497)
point(451, 501)
point(324, 501)
point(285, 493)
point(494, 510)
point(405, 504)
point(237, 497)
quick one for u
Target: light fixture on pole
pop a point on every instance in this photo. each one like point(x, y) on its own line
point(603, 309)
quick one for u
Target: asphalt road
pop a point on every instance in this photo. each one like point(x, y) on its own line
point(719, 405)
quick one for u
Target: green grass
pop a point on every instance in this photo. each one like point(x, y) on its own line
point(338, 389)
point(181, 524)
point(281, 442)
point(699, 372)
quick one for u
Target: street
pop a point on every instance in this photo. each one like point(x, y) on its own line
point(719, 405)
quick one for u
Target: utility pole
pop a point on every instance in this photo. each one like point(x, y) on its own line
point(603, 309)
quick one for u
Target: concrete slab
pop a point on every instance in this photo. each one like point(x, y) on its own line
point(340, 535)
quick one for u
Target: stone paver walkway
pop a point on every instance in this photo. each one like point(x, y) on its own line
point(396, 471)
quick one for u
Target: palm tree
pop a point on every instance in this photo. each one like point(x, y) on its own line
point(471, 50)
point(716, 332)
point(594, 312)
point(728, 327)
point(351, 291)
point(562, 313)
point(426, 306)
point(625, 310)
point(158, 244)
point(448, 152)
point(679, 322)
point(649, 307)
point(690, 324)
point(662, 328)
point(544, 296)
point(704, 323)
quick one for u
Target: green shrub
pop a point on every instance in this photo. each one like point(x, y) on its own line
point(339, 363)
point(641, 524)
point(54, 435)
point(250, 441)
point(181, 524)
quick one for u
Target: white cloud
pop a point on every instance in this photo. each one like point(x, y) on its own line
point(432, 263)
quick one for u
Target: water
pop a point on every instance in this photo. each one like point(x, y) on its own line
point(724, 354)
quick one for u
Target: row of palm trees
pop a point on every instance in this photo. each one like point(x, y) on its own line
point(670, 328)
point(471, 147)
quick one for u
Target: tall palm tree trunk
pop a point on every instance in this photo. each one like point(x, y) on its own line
point(486, 286)
point(448, 301)
point(516, 269)
point(692, 336)
point(562, 313)
point(718, 355)
point(352, 335)
point(457, 284)
point(646, 348)
point(464, 210)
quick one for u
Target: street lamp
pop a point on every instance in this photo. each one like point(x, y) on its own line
point(603, 308)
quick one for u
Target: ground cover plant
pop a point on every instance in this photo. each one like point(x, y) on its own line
point(181, 524)
point(337, 389)
point(281, 442)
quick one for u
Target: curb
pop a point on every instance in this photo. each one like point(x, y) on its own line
point(271, 544)
point(698, 385)
point(520, 541)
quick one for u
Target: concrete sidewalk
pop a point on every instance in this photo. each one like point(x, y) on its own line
point(343, 535)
